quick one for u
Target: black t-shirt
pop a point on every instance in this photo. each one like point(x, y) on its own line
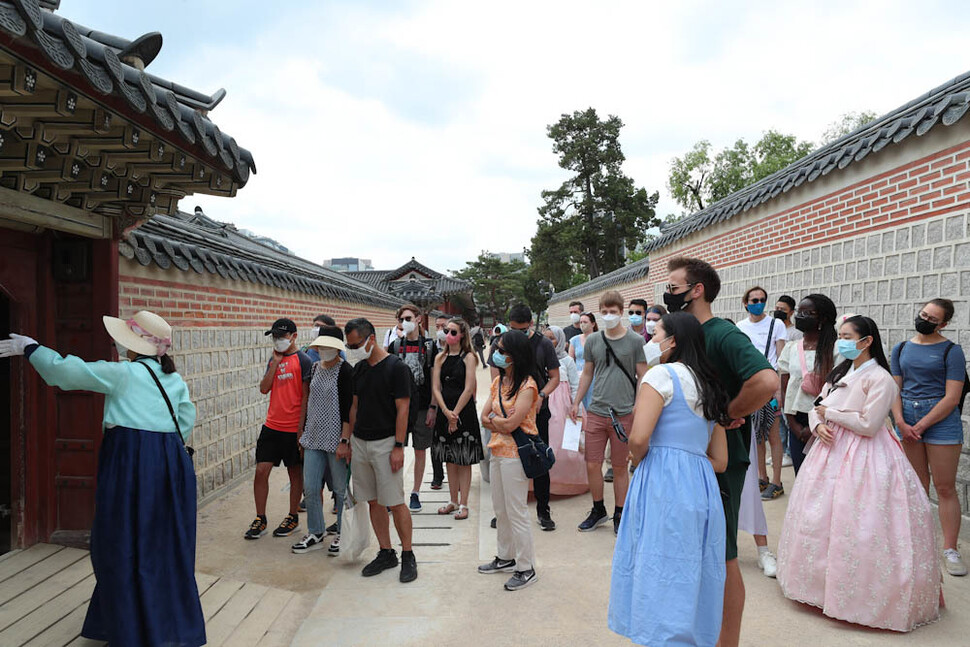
point(377, 388)
point(571, 331)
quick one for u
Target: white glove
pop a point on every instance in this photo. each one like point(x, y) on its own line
point(15, 345)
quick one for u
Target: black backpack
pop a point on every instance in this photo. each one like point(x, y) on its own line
point(946, 353)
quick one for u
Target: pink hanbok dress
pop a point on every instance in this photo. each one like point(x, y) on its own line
point(568, 474)
point(858, 540)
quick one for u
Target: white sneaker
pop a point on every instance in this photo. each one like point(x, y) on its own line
point(768, 564)
point(786, 461)
point(308, 543)
point(954, 563)
point(334, 548)
point(768, 460)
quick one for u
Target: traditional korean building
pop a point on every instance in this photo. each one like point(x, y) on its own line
point(91, 146)
point(424, 287)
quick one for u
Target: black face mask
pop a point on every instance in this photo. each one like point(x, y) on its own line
point(675, 302)
point(925, 327)
point(780, 314)
point(806, 324)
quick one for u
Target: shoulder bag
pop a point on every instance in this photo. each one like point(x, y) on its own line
point(812, 382)
point(171, 410)
point(536, 456)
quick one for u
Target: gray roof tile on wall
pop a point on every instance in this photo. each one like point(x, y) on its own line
point(631, 272)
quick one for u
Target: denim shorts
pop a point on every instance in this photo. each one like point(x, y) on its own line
point(948, 431)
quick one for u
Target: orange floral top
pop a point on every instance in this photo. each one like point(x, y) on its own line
point(503, 445)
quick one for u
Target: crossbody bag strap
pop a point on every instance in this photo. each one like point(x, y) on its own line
point(801, 358)
point(609, 349)
point(168, 403)
point(771, 329)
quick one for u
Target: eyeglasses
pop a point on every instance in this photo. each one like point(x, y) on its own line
point(926, 317)
point(671, 287)
point(757, 300)
point(526, 329)
point(403, 319)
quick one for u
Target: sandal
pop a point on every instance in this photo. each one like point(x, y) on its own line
point(448, 509)
point(462, 512)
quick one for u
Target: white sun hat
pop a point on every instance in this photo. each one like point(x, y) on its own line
point(327, 341)
point(145, 333)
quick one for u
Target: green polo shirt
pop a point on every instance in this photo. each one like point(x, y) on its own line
point(736, 360)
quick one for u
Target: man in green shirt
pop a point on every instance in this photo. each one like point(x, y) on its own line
point(751, 382)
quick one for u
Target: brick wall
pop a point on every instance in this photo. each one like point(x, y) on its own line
point(221, 352)
point(880, 238)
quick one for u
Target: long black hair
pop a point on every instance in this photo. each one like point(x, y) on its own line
point(518, 348)
point(691, 352)
point(827, 334)
point(865, 327)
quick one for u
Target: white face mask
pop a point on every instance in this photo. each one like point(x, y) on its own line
point(315, 331)
point(355, 355)
point(651, 326)
point(328, 354)
point(652, 351)
point(281, 345)
point(441, 337)
point(610, 321)
point(586, 327)
point(407, 327)
point(574, 317)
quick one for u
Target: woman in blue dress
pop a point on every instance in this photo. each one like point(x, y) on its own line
point(143, 536)
point(668, 564)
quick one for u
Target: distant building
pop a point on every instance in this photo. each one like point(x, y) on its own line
point(508, 257)
point(422, 286)
point(348, 264)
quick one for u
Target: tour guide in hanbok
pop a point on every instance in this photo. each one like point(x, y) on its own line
point(143, 537)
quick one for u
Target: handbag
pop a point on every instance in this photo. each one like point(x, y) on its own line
point(536, 456)
point(812, 383)
point(171, 410)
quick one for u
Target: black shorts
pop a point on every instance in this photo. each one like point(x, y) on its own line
point(278, 446)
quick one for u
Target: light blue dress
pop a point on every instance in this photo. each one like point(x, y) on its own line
point(577, 343)
point(668, 564)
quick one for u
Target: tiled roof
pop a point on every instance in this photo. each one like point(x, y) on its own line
point(631, 272)
point(944, 105)
point(419, 289)
point(92, 107)
point(200, 244)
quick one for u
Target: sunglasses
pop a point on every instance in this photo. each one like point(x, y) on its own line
point(403, 319)
point(453, 333)
point(635, 312)
point(358, 345)
point(671, 287)
point(757, 300)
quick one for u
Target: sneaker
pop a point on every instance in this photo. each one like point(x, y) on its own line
point(288, 526)
point(497, 566)
point(546, 522)
point(762, 484)
point(494, 522)
point(386, 558)
point(436, 485)
point(308, 543)
point(415, 505)
point(616, 522)
point(786, 461)
point(521, 579)
point(332, 529)
point(302, 507)
point(256, 529)
point(334, 549)
point(772, 492)
point(768, 460)
point(954, 563)
point(595, 519)
point(768, 563)
point(409, 567)
point(608, 477)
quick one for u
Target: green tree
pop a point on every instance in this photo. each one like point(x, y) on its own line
point(846, 124)
point(589, 222)
point(495, 285)
point(697, 180)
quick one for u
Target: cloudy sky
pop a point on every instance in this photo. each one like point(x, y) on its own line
point(386, 129)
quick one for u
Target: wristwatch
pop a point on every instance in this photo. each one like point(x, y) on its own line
point(345, 441)
point(398, 444)
point(542, 394)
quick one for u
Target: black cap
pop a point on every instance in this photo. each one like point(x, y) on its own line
point(282, 327)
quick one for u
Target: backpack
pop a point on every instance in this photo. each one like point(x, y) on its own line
point(966, 377)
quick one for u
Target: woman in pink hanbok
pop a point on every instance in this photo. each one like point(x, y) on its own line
point(858, 538)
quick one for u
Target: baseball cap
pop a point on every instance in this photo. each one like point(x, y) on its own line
point(282, 327)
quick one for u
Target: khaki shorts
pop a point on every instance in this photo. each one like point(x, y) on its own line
point(371, 474)
point(599, 429)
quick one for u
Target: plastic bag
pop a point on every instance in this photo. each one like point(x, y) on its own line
point(354, 526)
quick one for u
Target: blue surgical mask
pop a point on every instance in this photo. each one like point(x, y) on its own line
point(757, 309)
point(500, 360)
point(847, 348)
point(636, 320)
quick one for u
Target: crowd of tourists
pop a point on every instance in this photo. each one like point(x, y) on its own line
point(688, 409)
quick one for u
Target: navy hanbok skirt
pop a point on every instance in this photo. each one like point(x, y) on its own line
point(143, 543)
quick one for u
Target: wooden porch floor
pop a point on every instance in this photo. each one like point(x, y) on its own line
point(44, 593)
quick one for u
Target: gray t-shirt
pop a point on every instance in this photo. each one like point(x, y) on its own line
point(611, 388)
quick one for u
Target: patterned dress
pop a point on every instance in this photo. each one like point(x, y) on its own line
point(464, 446)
